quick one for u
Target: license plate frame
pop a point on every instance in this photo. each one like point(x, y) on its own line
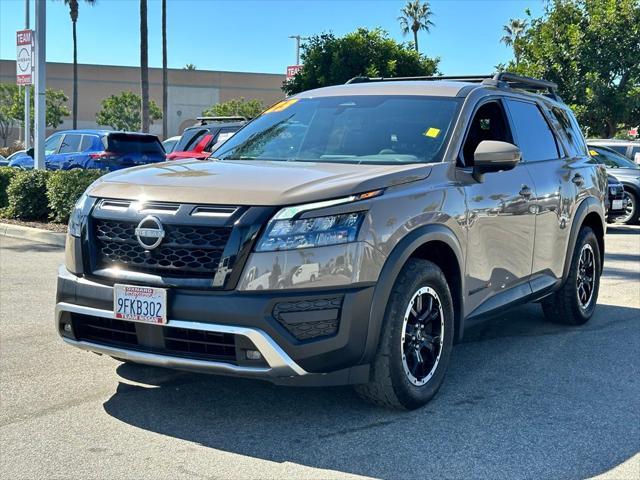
point(617, 204)
point(134, 303)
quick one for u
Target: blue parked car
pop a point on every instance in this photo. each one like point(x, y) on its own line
point(102, 149)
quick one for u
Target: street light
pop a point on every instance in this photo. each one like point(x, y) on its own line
point(298, 38)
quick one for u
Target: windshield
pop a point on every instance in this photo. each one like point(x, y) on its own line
point(611, 158)
point(347, 129)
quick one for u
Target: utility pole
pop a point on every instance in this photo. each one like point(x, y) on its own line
point(41, 75)
point(27, 90)
point(297, 38)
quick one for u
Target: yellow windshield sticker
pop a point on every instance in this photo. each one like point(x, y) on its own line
point(280, 106)
point(593, 153)
point(432, 132)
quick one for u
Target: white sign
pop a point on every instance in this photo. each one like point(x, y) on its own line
point(24, 57)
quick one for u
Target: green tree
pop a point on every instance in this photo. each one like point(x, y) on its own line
point(73, 12)
point(122, 112)
point(190, 66)
point(234, 107)
point(331, 60)
point(8, 94)
point(416, 16)
point(590, 48)
point(56, 105)
point(513, 32)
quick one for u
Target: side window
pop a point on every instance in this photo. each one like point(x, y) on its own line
point(568, 127)
point(535, 138)
point(87, 142)
point(488, 123)
point(52, 144)
point(71, 143)
point(635, 154)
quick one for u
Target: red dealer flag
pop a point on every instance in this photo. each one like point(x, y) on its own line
point(292, 70)
point(24, 58)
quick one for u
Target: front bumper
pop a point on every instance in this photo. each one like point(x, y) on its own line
point(287, 357)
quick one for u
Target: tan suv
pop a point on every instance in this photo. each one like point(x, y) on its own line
point(348, 235)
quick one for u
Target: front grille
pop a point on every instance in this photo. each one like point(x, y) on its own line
point(186, 251)
point(179, 342)
point(310, 319)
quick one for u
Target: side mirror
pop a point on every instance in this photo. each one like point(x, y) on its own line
point(30, 152)
point(493, 156)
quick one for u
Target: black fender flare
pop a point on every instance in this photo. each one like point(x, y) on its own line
point(586, 207)
point(390, 271)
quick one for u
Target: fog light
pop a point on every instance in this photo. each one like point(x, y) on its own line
point(253, 355)
point(67, 327)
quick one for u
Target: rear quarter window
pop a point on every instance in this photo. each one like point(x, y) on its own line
point(567, 125)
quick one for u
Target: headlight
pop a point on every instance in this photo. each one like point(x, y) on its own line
point(78, 215)
point(310, 232)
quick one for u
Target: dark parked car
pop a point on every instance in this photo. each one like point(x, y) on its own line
point(628, 173)
point(102, 149)
point(348, 235)
point(198, 142)
point(616, 199)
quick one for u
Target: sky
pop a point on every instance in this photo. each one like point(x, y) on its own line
point(252, 35)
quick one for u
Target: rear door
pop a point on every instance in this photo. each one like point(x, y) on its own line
point(68, 148)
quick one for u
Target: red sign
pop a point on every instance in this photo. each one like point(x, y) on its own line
point(633, 132)
point(24, 57)
point(292, 70)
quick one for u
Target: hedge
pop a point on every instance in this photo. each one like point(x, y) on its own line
point(27, 195)
point(64, 188)
point(6, 174)
point(42, 195)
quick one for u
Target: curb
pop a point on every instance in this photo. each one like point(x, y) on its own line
point(33, 234)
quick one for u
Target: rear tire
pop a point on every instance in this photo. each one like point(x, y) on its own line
point(575, 302)
point(632, 215)
point(416, 339)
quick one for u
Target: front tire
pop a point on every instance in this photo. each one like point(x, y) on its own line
point(416, 339)
point(575, 302)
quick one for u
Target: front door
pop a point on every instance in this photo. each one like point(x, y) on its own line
point(501, 224)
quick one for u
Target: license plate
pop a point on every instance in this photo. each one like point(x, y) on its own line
point(140, 304)
point(617, 205)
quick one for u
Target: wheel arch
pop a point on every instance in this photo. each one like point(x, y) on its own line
point(435, 243)
point(589, 213)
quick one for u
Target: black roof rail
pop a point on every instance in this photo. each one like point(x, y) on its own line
point(228, 118)
point(499, 79)
point(527, 83)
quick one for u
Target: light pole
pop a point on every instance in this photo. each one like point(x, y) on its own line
point(27, 90)
point(40, 113)
point(298, 38)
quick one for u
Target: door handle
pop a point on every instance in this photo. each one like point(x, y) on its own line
point(525, 192)
point(578, 179)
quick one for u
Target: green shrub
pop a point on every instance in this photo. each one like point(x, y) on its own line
point(27, 195)
point(64, 188)
point(6, 174)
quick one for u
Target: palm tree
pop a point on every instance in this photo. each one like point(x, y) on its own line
point(416, 16)
point(144, 67)
point(513, 32)
point(73, 12)
point(164, 70)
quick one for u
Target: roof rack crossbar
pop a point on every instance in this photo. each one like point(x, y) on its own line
point(459, 78)
point(527, 83)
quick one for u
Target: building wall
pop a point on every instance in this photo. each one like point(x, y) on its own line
point(189, 91)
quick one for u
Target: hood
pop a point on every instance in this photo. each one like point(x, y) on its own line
point(250, 182)
point(625, 173)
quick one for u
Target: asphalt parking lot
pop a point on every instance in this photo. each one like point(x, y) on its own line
point(523, 399)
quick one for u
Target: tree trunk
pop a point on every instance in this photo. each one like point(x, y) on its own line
point(75, 77)
point(144, 67)
point(610, 128)
point(164, 71)
point(415, 39)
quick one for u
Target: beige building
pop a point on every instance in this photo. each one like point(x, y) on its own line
point(190, 91)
